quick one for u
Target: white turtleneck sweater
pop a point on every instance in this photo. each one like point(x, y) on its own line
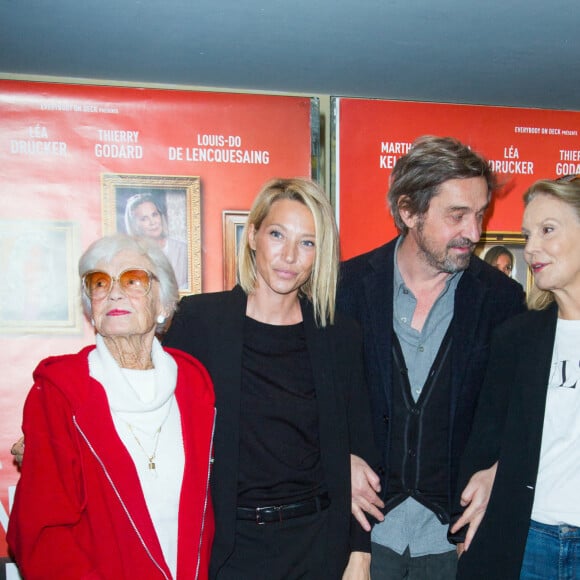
point(141, 402)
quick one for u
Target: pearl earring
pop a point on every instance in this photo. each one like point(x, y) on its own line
point(160, 319)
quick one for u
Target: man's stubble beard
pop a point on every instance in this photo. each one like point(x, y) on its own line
point(444, 262)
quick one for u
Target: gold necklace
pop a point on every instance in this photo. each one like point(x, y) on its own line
point(150, 458)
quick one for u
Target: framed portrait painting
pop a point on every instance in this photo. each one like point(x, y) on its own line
point(505, 250)
point(164, 208)
point(41, 289)
point(233, 224)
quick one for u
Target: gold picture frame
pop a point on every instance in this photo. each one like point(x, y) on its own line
point(233, 225)
point(178, 197)
point(40, 293)
point(515, 243)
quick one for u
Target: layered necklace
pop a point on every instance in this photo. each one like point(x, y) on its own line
point(150, 456)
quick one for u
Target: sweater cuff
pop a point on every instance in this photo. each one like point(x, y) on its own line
point(360, 541)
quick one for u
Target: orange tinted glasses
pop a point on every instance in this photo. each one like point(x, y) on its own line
point(133, 282)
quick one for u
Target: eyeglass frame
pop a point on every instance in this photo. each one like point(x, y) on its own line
point(150, 275)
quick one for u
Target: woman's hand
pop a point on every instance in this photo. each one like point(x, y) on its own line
point(474, 498)
point(18, 450)
point(358, 567)
point(365, 485)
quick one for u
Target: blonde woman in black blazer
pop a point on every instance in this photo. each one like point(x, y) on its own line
point(528, 418)
point(282, 505)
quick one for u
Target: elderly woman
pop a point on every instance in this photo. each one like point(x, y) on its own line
point(146, 217)
point(118, 437)
point(528, 418)
point(291, 401)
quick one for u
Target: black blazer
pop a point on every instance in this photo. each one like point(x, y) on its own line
point(210, 327)
point(508, 427)
point(484, 298)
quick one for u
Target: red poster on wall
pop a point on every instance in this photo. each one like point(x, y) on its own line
point(74, 158)
point(522, 146)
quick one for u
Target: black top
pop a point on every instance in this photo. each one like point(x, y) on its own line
point(279, 442)
point(211, 326)
point(508, 428)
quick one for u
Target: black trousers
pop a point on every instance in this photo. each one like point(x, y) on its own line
point(386, 564)
point(290, 550)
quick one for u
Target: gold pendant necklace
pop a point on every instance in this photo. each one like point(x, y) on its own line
point(150, 458)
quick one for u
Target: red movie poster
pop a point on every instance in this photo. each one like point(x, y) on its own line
point(71, 159)
point(522, 145)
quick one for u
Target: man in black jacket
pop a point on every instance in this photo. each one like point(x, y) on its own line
point(427, 308)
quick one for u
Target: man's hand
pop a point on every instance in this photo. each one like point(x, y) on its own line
point(365, 484)
point(18, 450)
point(358, 567)
point(475, 498)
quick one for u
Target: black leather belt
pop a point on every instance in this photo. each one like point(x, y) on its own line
point(279, 513)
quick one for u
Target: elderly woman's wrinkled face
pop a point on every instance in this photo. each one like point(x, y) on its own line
point(122, 314)
point(148, 220)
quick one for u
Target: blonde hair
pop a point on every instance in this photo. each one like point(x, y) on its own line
point(568, 191)
point(320, 288)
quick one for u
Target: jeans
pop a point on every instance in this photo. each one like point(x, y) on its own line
point(552, 553)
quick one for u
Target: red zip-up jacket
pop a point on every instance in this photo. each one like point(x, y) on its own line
point(79, 511)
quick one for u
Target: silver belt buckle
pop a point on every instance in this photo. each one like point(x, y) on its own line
point(259, 517)
point(259, 510)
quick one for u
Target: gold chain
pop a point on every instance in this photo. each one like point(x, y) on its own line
point(150, 458)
